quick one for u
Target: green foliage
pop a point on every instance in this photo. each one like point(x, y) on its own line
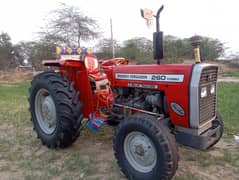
point(137, 49)
point(140, 49)
point(7, 56)
point(35, 52)
point(43, 50)
point(67, 26)
point(104, 49)
point(210, 49)
point(175, 48)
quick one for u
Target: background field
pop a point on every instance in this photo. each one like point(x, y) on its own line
point(22, 156)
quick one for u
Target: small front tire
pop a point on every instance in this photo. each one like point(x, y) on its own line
point(144, 149)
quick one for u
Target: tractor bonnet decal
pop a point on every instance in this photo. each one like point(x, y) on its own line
point(177, 109)
point(151, 77)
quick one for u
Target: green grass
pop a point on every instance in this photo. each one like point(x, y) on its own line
point(228, 106)
point(187, 176)
point(13, 103)
point(227, 158)
point(21, 151)
point(231, 74)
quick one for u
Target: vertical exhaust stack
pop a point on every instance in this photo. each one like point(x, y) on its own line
point(158, 51)
point(196, 42)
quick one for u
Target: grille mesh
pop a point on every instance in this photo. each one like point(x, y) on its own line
point(207, 105)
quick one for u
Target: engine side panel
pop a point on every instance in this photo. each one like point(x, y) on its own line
point(172, 79)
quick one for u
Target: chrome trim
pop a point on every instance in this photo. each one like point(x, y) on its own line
point(194, 93)
point(196, 131)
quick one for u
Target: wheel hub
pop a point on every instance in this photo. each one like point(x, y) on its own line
point(45, 111)
point(48, 109)
point(140, 151)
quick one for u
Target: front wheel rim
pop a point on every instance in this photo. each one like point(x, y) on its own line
point(140, 151)
point(45, 111)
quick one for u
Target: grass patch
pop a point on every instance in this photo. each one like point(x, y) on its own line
point(231, 74)
point(227, 104)
point(36, 177)
point(228, 158)
point(202, 158)
point(13, 103)
point(75, 163)
point(187, 176)
point(22, 152)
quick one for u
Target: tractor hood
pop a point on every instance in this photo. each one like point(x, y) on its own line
point(170, 73)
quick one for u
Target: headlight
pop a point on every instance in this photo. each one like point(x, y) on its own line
point(212, 89)
point(203, 92)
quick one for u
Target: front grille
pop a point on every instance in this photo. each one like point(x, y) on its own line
point(207, 108)
point(207, 105)
point(209, 75)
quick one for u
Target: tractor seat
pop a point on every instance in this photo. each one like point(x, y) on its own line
point(93, 68)
point(98, 76)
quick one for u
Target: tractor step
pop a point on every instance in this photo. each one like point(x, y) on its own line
point(94, 123)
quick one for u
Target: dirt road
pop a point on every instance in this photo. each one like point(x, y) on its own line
point(228, 79)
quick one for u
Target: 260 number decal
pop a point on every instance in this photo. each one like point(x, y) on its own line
point(158, 78)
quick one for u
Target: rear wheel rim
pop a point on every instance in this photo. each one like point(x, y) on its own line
point(45, 111)
point(140, 151)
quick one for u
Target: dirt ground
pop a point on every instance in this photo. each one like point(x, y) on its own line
point(92, 158)
point(193, 164)
point(14, 76)
point(219, 162)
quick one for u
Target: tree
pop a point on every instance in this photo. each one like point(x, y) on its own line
point(7, 54)
point(139, 49)
point(211, 49)
point(69, 26)
point(22, 52)
point(36, 51)
point(176, 48)
point(104, 48)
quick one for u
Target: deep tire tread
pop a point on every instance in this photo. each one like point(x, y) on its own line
point(68, 109)
point(162, 136)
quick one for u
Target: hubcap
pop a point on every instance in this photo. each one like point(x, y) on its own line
point(140, 152)
point(45, 110)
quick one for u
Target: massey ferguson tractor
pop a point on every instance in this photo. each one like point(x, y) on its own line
point(151, 106)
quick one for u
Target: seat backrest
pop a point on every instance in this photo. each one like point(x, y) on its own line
point(91, 64)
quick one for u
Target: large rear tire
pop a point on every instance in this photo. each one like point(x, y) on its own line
point(55, 109)
point(145, 149)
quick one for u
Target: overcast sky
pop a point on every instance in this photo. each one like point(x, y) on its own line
point(21, 19)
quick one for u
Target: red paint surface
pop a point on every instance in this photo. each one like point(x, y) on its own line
point(175, 92)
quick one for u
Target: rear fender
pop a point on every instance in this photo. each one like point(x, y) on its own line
point(63, 63)
point(76, 72)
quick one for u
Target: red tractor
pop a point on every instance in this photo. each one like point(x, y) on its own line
point(150, 105)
